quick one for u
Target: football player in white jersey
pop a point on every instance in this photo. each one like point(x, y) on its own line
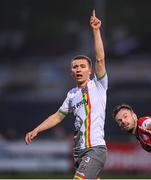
point(87, 101)
point(140, 127)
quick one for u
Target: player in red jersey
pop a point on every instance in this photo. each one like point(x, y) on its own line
point(140, 127)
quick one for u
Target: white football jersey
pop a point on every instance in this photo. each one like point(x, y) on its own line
point(88, 106)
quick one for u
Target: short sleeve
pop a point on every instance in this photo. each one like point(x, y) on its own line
point(65, 108)
point(103, 81)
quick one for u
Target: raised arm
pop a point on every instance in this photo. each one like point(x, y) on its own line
point(50, 122)
point(98, 44)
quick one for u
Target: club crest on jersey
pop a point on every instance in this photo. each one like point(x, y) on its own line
point(146, 123)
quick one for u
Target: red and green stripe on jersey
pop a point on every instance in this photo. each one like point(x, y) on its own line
point(79, 176)
point(87, 123)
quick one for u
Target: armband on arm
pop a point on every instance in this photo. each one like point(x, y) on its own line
point(63, 112)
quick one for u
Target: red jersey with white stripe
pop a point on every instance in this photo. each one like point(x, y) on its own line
point(88, 106)
point(144, 132)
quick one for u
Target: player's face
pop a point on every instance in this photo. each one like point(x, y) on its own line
point(126, 119)
point(81, 71)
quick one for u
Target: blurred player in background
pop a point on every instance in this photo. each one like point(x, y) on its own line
point(87, 102)
point(140, 127)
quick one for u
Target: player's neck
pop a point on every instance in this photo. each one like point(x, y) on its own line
point(135, 127)
point(83, 84)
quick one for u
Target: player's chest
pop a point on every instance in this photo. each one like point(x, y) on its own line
point(84, 100)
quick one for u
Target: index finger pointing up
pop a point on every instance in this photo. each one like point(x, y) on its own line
point(93, 13)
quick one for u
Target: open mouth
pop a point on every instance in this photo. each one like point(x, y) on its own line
point(78, 75)
point(125, 126)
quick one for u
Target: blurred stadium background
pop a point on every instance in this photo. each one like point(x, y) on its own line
point(37, 40)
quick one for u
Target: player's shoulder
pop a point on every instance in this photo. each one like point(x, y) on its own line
point(72, 92)
point(144, 121)
point(103, 81)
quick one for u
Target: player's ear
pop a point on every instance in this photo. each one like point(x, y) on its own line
point(91, 71)
point(71, 73)
point(134, 116)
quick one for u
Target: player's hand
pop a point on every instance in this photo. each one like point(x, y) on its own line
point(30, 135)
point(94, 21)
